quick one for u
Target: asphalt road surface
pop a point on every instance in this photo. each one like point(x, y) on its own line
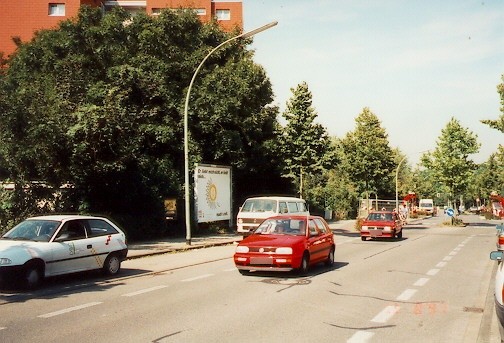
point(430, 286)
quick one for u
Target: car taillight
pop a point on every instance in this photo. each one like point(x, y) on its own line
point(501, 240)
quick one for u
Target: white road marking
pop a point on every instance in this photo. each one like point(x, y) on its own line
point(457, 249)
point(360, 337)
point(70, 309)
point(197, 277)
point(421, 282)
point(447, 258)
point(406, 295)
point(387, 313)
point(441, 264)
point(142, 291)
point(453, 253)
point(433, 272)
point(3, 328)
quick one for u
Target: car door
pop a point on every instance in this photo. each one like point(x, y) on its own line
point(317, 243)
point(101, 240)
point(70, 249)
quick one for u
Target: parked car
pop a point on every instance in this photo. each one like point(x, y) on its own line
point(381, 224)
point(53, 245)
point(499, 279)
point(282, 243)
point(255, 210)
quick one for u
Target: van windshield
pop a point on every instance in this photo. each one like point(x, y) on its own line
point(259, 205)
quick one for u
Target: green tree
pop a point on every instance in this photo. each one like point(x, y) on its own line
point(449, 163)
point(97, 103)
point(498, 124)
point(368, 156)
point(304, 145)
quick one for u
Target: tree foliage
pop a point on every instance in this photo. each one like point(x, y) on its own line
point(368, 156)
point(498, 124)
point(98, 104)
point(305, 145)
point(449, 163)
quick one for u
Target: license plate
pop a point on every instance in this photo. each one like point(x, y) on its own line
point(261, 260)
point(375, 232)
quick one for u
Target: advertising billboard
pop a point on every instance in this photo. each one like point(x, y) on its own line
point(212, 192)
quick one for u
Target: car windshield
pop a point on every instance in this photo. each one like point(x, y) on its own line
point(293, 227)
point(33, 230)
point(380, 216)
point(259, 205)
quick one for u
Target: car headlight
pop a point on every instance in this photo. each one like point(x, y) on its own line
point(364, 227)
point(240, 221)
point(242, 249)
point(283, 251)
point(5, 260)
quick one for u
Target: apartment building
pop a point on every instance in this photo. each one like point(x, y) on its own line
point(23, 17)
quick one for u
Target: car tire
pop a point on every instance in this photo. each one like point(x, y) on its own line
point(112, 265)
point(363, 239)
point(32, 276)
point(243, 272)
point(305, 264)
point(399, 235)
point(330, 258)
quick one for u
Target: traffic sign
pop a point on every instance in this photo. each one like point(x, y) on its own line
point(450, 212)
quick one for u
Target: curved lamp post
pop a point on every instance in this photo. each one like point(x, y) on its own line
point(397, 182)
point(186, 106)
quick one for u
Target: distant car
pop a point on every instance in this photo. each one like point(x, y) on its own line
point(380, 224)
point(282, 243)
point(499, 279)
point(60, 244)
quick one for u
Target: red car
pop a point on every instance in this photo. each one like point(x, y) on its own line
point(282, 243)
point(381, 224)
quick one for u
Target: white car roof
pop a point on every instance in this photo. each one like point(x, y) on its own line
point(276, 198)
point(63, 217)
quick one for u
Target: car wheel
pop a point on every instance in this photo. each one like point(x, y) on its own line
point(363, 239)
point(32, 276)
point(112, 265)
point(243, 272)
point(305, 264)
point(330, 258)
point(399, 235)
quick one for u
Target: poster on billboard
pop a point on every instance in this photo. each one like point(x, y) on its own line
point(212, 192)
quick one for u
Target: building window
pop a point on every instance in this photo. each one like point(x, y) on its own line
point(223, 14)
point(57, 9)
point(200, 11)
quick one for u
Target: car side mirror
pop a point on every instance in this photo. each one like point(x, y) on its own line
point(496, 255)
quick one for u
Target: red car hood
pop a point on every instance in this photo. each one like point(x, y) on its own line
point(259, 240)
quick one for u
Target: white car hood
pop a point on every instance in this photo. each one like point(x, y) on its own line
point(21, 251)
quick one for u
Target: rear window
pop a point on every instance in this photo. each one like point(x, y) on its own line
point(101, 228)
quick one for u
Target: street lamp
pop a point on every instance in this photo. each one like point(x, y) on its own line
point(186, 140)
point(397, 182)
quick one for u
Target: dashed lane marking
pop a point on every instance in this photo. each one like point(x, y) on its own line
point(433, 272)
point(406, 295)
point(142, 291)
point(197, 277)
point(387, 313)
point(441, 264)
point(421, 282)
point(360, 337)
point(70, 309)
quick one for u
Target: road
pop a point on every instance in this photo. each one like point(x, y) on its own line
point(430, 286)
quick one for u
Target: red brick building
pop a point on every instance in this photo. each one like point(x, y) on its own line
point(22, 18)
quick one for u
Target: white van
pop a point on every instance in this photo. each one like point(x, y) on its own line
point(255, 210)
point(427, 205)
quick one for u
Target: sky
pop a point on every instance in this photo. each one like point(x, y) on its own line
point(414, 63)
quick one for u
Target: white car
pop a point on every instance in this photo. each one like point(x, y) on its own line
point(60, 244)
point(499, 279)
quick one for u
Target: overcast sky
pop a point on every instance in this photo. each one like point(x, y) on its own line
point(415, 64)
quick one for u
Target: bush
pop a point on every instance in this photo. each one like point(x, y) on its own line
point(358, 224)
